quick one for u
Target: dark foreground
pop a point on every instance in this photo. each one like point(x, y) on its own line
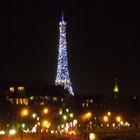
point(37, 137)
point(65, 137)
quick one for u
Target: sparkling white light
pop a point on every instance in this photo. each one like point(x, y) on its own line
point(62, 77)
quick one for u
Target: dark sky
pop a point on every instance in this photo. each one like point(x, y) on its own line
point(103, 43)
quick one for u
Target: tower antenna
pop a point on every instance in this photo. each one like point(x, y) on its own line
point(62, 17)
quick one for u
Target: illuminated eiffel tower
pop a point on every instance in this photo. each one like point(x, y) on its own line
point(63, 77)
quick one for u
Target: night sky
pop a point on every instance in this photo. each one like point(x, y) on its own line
point(103, 39)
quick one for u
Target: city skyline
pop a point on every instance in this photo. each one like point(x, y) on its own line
point(103, 44)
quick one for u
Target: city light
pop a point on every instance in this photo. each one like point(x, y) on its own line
point(65, 117)
point(12, 89)
point(113, 125)
point(118, 118)
point(38, 123)
point(34, 129)
point(46, 124)
point(21, 88)
point(109, 113)
point(45, 110)
point(23, 125)
point(105, 118)
point(2, 132)
point(12, 132)
point(121, 122)
point(88, 115)
point(60, 112)
point(92, 136)
point(24, 112)
point(127, 124)
point(75, 122)
point(67, 110)
point(34, 115)
point(71, 115)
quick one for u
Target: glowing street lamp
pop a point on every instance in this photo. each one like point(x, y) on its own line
point(12, 89)
point(46, 124)
point(118, 118)
point(23, 125)
point(45, 111)
point(38, 123)
point(34, 115)
point(109, 113)
point(12, 132)
point(65, 117)
point(105, 118)
point(88, 115)
point(75, 122)
point(71, 115)
point(60, 112)
point(92, 136)
point(24, 112)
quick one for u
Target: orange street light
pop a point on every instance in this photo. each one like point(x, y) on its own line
point(24, 112)
point(109, 113)
point(118, 118)
point(88, 115)
point(105, 118)
point(46, 124)
point(45, 111)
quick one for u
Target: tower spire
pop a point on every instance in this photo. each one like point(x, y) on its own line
point(116, 88)
point(62, 17)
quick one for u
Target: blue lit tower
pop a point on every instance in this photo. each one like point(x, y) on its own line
point(62, 77)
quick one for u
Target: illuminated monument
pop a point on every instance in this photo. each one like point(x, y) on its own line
point(116, 89)
point(63, 77)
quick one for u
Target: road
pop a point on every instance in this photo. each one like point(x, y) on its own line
point(38, 137)
point(107, 136)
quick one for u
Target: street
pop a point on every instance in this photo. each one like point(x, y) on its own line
point(37, 137)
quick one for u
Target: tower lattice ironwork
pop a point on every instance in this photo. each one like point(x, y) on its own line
point(63, 77)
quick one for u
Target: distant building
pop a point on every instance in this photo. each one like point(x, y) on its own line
point(115, 91)
point(30, 94)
